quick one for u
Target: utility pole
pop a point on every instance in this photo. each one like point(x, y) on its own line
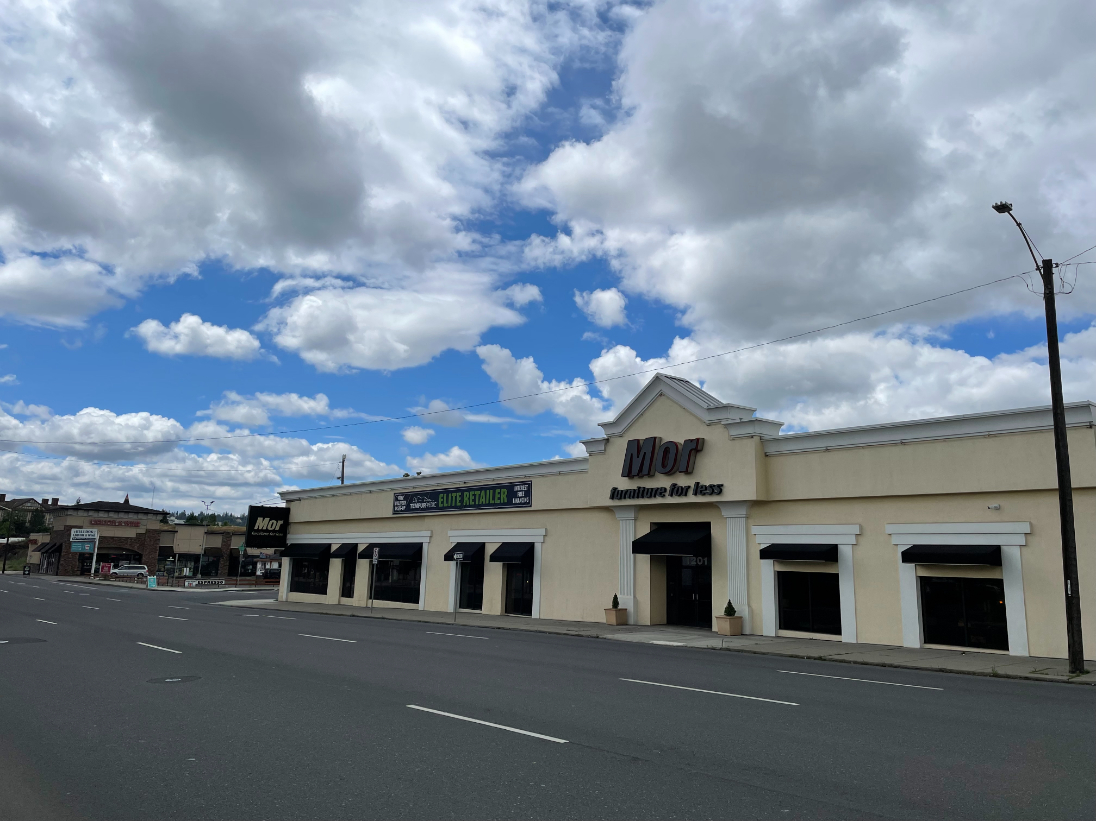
point(1074, 641)
point(342, 470)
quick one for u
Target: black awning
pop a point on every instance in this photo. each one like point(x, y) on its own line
point(212, 551)
point(471, 551)
point(52, 547)
point(165, 551)
point(399, 552)
point(800, 552)
point(307, 551)
point(344, 550)
point(684, 539)
point(513, 552)
point(988, 554)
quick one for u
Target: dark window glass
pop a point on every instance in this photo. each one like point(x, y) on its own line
point(519, 589)
point(964, 612)
point(397, 581)
point(471, 584)
point(350, 569)
point(308, 576)
point(689, 590)
point(809, 602)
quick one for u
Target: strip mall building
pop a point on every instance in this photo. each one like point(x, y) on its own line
point(938, 532)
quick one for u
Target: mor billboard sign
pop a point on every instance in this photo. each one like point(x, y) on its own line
point(267, 527)
point(511, 495)
point(646, 457)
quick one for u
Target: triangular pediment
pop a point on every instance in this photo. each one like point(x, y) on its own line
point(700, 403)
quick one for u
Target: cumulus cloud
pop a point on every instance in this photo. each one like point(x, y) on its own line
point(604, 307)
point(438, 412)
point(8, 379)
point(259, 408)
point(452, 459)
point(189, 335)
point(522, 378)
point(53, 292)
point(414, 435)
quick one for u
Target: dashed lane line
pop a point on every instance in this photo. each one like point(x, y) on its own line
point(158, 647)
point(46, 622)
point(489, 724)
point(862, 680)
point(456, 635)
point(172, 618)
point(711, 692)
point(327, 638)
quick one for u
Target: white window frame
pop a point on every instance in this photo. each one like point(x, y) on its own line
point(844, 536)
point(1011, 536)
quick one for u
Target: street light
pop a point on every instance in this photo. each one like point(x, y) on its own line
point(1074, 641)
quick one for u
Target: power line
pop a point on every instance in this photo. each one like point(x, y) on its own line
point(147, 466)
point(581, 384)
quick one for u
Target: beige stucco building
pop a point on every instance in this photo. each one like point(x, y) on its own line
point(939, 532)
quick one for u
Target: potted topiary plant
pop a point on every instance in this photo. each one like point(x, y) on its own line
point(616, 614)
point(728, 624)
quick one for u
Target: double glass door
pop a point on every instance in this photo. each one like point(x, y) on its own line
point(689, 590)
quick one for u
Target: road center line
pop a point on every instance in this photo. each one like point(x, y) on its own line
point(46, 622)
point(158, 647)
point(113, 599)
point(173, 618)
point(88, 607)
point(488, 724)
point(37, 598)
point(458, 635)
point(863, 680)
point(327, 638)
point(711, 692)
point(287, 618)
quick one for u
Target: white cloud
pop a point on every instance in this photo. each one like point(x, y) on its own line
point(8, 379)
point(21, 408)
point(603, 307)
point(189, 335)
point(452, 459)
point(415, 435)
point(438, 412)
point(575, 449)
point(55, 292)
point(259, 408)
point(522, 293)
point(522, 378)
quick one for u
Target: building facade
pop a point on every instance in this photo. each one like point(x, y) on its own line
point(939, 532)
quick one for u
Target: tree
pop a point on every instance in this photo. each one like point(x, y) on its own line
point(37, 521)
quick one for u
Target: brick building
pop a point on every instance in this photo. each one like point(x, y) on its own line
point(128, 534)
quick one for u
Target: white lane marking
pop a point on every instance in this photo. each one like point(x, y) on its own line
point(287, 618)
point(488, 724)
point(328, 638)
point(173, 618)
point(172, 679)
point(68, 591)
point(670, 643)
point(38, 598)
point(46, 622)
point(84, 594)
point(113, 599)
point(3, 641)
point(711, 692)
point(252, 615)
point(864, 680)
point(158, 647)
point(176, 607)
point(88, 607)
point(458, 635)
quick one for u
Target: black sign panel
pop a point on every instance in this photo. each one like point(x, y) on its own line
point(515, 495)
point(267, 527)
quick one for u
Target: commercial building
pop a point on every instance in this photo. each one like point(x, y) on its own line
point(936, 532)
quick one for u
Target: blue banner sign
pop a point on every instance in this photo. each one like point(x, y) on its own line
point(83, 547)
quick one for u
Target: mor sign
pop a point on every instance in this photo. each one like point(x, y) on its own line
point(646, 457)
point(515, 495)
point(266, 527)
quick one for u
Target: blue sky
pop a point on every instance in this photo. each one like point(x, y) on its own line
point(343, 216)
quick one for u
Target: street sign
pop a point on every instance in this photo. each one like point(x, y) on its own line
point(151, 582)
point(105, 568)
point(376, 554)
point(84, 534)
point(458, 557)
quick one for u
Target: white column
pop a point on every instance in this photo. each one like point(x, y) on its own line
point(422, 574)
point(537, 546)
point(738, 581)
point(768, 598)
point(911, 605)
point(848, 593)
point(283, 582)
point(334, 581)
point(626, 515)
point(454, 578)
point(1015, 612)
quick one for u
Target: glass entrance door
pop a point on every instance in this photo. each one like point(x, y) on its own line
point(964, 612)
point(809, 602)
point(519, 589)
point(471, 585)
point(689, 590)
point(350, 569)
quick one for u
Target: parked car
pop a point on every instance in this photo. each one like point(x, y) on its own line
point(129, 571)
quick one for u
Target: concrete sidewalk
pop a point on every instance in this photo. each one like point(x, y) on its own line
point(949, 661)
point(272, 589)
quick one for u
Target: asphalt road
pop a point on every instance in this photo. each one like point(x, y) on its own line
point(144, 705)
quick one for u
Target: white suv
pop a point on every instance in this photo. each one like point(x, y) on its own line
point(129, 571)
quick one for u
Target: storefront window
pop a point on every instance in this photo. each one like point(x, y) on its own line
point(964, 612)
point(309, 576)
point(810, 602)
point(397, 581)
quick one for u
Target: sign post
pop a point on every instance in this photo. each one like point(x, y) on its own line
point(240, 564)
point(373, 576)
point(85, 540)
point(458, 557)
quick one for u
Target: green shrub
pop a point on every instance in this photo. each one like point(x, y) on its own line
point(616, 601)
point(729, 609)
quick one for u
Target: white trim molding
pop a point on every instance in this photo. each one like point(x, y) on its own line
point(738, 580)
point(626, 515)
point(1011, 536)
point(844, 536)
point(514, 534)
point(699, 403)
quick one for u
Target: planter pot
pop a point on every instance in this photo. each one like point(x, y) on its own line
point(616, 615)
point(728, 625)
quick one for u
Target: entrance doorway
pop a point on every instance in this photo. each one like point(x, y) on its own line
point(519, 588)
point(809, 602)
point(964, 612)
point(350, 570)
point(471, 584)
point(689, 590)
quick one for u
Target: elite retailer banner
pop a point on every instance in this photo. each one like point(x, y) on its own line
point(483, 497)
